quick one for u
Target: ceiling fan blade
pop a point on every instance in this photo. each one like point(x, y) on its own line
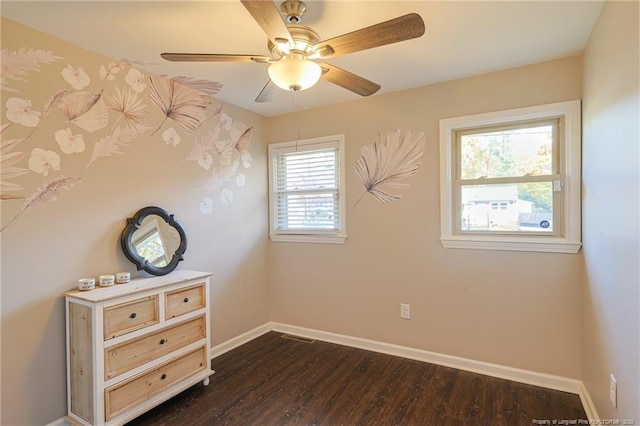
point(266, 14)
point(349, 81)
point(398, 29)
point(267, 93)
point(212, 57)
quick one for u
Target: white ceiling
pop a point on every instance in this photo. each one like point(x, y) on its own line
point(462, 38)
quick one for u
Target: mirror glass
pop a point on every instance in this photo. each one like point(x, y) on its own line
point(154, 241)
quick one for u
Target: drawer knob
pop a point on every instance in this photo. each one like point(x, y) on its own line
point(186, 300)
point(132, 316)
point(164, 376)
point(162, 341)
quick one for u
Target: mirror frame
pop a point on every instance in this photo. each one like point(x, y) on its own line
point(142, 264)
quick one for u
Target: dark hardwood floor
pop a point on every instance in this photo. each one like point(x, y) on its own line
point(278, 381)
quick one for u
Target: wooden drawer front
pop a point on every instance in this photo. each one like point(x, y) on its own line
point(125, 395)
point(129, 355)
point(130, 316)
point(185, 300)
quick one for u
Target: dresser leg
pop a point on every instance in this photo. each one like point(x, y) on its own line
point(205, 382)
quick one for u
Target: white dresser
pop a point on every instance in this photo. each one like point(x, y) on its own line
point(132, 346)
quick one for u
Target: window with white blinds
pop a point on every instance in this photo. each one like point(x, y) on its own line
point(307, 191)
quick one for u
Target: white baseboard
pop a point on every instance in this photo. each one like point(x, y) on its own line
point(60, 422)
point(587, 403)
point(230, 344)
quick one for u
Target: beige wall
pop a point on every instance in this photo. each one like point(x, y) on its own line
point(515, 309)
point(47, 248)
point(611, 193)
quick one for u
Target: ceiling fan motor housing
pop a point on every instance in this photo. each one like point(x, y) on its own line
point(304, 37)
point(293, 10)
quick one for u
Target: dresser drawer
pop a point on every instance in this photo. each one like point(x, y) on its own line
point(126, 356)
point(122, 396)
point(185, 300)
point(127, 317)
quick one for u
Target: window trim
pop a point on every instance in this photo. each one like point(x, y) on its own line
point(570, 170)
point(304, 145)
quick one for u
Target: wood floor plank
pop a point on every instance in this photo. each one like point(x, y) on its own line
point(277, 381)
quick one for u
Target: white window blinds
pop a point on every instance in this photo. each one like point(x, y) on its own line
point(307, 191)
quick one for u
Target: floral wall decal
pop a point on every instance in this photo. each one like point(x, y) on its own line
point(394, 156)
point(136, 80)
point(206, 206)
point(69, 143)
point(110, 71)
point(76, 77)
point(171, 137)
point(19, 111)
point(103, 109)
point(222, 150)
point(42, 161)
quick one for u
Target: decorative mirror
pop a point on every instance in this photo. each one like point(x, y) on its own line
point(153, 241)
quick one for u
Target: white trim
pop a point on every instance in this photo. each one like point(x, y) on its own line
point(59, 422)
point(571, 171)
point(332, 239)
point(547, 246)
point(240, 340)
point(587, 403)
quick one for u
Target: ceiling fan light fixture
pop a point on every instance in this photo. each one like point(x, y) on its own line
point(294, 72)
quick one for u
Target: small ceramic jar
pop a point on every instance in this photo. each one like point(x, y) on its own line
point(86, 284)
point(106, 280)
point(123, 277)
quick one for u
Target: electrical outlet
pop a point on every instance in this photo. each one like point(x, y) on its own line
point(405, 311)
point(613, 390)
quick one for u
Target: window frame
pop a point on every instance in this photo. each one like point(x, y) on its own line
point(303, 145)
point(556, 123)
point(568, 239)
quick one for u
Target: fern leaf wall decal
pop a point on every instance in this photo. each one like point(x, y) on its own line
point(49, 192)
point(394, 156)
point(207, 87)
point(18, 63)
point(181, 103)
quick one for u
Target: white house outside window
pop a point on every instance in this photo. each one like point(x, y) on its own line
point(510, 180)
point(306, 180)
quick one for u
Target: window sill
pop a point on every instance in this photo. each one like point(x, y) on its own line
point(318, 239)
point(534, 245)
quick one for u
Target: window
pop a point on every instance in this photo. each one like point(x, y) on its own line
point(510, 180)
point(307, 191)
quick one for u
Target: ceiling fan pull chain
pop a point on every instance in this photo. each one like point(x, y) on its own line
point(296, 98)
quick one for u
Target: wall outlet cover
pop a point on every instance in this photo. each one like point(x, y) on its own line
point(405, 311)
point(613, 390)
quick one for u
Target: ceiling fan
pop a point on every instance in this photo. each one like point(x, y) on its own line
point(294, 48)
